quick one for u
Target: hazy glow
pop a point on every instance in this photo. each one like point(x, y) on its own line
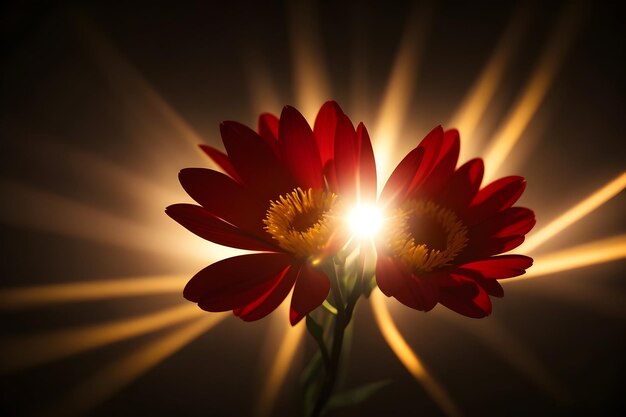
point(117, 375)
point(574, 214)
point(282, 360)
point(475, 103)
point(535, 90)
point(408, 357)
point(29, 351)
point(399, 90)
point(40, 295)
point(605, 250)
point(129, 83)
point(365, 221)
point(309, 69)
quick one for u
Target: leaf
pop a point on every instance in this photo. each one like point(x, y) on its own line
point(357, 395)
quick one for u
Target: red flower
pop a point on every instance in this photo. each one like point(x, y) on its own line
point(444, 233)
point(278, 197)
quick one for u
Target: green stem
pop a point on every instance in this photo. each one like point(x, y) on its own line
point(342, 319)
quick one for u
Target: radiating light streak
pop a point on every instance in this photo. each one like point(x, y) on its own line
point(41, 295)
point(593, 253)
point(29, 351)
point(408, 357)
point(400, 87)
point(576, 213)
point(512, 350)
point(40, 210)
point(311, 80)
point(473, 107)
point(281, 362)
point(128, 81)
point(263, 91)
point(125, 370)
point(526, 105)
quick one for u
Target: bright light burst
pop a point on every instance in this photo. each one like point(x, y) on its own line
point(365, 221)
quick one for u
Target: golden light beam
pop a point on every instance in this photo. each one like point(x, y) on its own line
point(28, 351)
point(408, 357)
point(281, 361)
point(41, 295)
point(128, 81)
point(263, 91)
point(593, 253)
point(36, 209)
point(473, 107)
point(574, 214)
point(312, 86)
point(400, 87)
point(526, 105)
point(121, 373)
point(513, 351)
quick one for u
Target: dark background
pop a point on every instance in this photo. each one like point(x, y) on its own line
point(66, 112)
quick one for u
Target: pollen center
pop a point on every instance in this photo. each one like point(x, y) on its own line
point(425, 236)
point(301, 221)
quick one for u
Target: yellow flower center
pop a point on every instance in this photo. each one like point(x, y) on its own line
point(425, 236)
point(302, 221)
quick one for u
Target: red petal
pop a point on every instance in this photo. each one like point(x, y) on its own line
point(324, 129)
point(299, 149)
point(224, 198)
point(398, 183)
point(395, 280)
point(504, 266)
point(510, 222)
point(221, 160)
point(432, 145)
point(456, 298)
point(486, 247)
point(255, 161)
point(268, 130)
point(354, 162)
point(367, 165)
point(311, 290)
point(444, 168)
point(272, 298)
point(495, 197)
point(200, 221)
point(463, 186)
point(236, 282)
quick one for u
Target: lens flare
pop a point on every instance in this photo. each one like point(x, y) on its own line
point(365, 221)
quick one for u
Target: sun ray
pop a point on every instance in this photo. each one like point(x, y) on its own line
point(121, 373)
point(128, 81)
point(512, 350)
point(281, 361)
point(588, 254)
point(473, 107)
point(263, 91)
point(312, 86)
point(42, 295)
point(576, 213)
point(28, 351)
point(400, 87)
point(44, 211)
point(408, 357)
point(526, 105)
